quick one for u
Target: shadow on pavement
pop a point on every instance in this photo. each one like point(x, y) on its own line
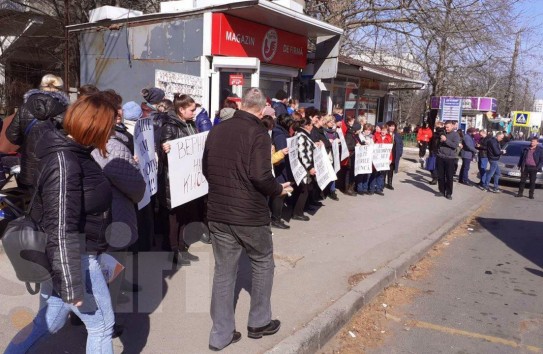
point(418, 180)
point(522, 236)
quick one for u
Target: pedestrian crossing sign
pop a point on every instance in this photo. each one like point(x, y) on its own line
point(521, 119)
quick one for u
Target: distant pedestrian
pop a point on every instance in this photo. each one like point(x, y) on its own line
point(447, 156)
point(467, 153)
point(396, 154)
point(240, 182)
point(279, 103)
point(530, 162)
point(493, 152)
point(424, 135)
point(482, 161)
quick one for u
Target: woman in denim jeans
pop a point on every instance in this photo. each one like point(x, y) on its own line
point(73, 208)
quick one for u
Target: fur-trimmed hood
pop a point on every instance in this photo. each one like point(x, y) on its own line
point(45, 104)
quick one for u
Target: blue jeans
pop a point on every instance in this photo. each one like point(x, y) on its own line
point(332, 186)
point(363, 183)
point(464, 170)
point(96, 313)
point(483, 162)
point(493, 171)
point(377, 181)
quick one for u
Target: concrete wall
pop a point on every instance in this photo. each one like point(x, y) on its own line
point(172, 45)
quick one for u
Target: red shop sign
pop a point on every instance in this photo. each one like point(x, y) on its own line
point(236, 79)
point(232, 36)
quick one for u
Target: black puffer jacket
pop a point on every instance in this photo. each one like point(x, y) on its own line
point(44, 106)
point(172, 128)
point(237, 166)
point(74, 199)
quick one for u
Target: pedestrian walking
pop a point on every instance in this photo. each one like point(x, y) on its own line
point(530, 162)
point(446, 158)
point(424, 135)
point(240, 182)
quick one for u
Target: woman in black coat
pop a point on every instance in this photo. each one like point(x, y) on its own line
point(281, 169)
point(72, 206)
point(179, 123)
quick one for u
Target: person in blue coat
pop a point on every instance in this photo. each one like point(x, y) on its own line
point(203, 123)
point(467, 153)
point(397, 152)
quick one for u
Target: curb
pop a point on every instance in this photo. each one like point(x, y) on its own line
point(317, 332)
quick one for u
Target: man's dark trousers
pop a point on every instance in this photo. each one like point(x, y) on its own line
point(445, 172)
point(228, 243)
point(529, 171)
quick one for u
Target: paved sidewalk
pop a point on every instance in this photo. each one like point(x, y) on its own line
point(314, 261)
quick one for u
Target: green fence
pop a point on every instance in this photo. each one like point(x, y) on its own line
point(410, 139)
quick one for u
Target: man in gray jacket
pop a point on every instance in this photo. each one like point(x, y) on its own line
point(467, 154)
point(446, 157)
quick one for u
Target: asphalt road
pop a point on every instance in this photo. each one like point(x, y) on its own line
point(485, 292)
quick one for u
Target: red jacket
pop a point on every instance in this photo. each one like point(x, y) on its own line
point(424, 134)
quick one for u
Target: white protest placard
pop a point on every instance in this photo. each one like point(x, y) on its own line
point(172, 82)
point(298, 171)
point(144, 149)
point(381, 156)
point(344, 149)
point(187, 181)
point(335, 154)
point(363, 159)
point(323, 167)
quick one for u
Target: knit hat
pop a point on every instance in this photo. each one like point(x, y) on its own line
point(226, 113)
point(268, 111)
point(152, 95)
point(281, 95)
point(132, 111)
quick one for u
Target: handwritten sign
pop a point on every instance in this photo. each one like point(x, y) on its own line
point(144, 149)
point(363, 159)
point(171, 82)
point(323, 167)
point(344, 149)
point(335, 154)
point(298, 171)
point(381, 156)
point(187, 182)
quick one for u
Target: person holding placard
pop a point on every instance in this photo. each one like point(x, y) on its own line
point(179, 123)
point(330, 129)
point(377, 180)
point(363, 180)
point(351, 128)
point(306, 146)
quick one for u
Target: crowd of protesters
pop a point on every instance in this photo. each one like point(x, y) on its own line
point(78, 164)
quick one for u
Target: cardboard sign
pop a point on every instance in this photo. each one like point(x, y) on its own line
point(335, 154)
point(344, 149)
point(298, 171)
point(144, 149)
point(381, 156)
point(187, 182)
point(363, 159)
point(323, 167)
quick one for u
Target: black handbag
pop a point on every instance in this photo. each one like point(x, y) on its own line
point(24, 243)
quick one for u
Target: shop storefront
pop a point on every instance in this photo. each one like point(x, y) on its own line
point(209, 52)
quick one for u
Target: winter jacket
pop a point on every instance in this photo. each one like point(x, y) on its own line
point(282, 169)
point(277, 157)
point(447, 148)
point(319, 134)
point(172, 128)
point(306, 147)
point(351, 136)
point(236, 164)
point(538, 157)
point(483, 146)
point(424, 135)
point(468, 147)
point(128, 188)
point(74, 199)
point(279, 107)
point(434, 142)
point(493, 149)
point(331, 134)
point(379, 138)
point(5, 145)
point(397, 150)
point(122, 134)
point(43, 106)
point(203, 123)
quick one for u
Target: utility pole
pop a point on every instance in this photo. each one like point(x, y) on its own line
point(510, 97)
point(66, 46)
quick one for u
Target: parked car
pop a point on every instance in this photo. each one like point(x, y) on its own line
point(509, 162)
